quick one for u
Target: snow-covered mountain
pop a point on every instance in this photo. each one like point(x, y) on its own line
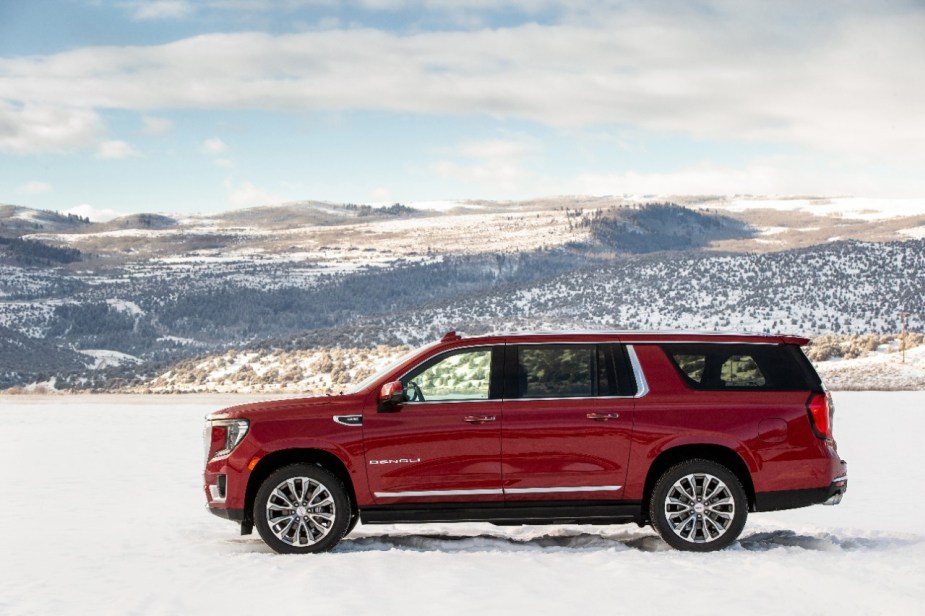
point(108, 305)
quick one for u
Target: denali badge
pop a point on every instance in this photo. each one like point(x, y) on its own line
point(396, 461)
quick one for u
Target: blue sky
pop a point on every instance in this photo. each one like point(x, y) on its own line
point(124, 106)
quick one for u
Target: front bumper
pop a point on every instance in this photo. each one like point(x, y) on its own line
point(235, 515)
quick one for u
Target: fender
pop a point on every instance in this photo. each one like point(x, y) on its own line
point(642, 455)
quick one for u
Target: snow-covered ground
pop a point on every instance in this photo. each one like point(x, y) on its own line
point(103, 514)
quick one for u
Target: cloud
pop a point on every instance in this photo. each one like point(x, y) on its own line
point(792, 175)
point(159, 9)
point(494, 165)
point(246, 194)
point(33, 127)
point(214, 146)
point(96, 215)
point(157, 126)
point(115, 149)
point(35, 188)
point(845, 82)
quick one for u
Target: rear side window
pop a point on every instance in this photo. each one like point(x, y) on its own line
point(568, 371)
point(741, 366)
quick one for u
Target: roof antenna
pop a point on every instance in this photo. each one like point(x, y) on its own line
point(450, 337)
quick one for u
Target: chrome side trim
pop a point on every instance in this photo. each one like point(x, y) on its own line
point(551, 490)
point(438, 493)
point(496, 492)
point(642, 386)
point(215, 494)
point(354, 421)
point(842, 478)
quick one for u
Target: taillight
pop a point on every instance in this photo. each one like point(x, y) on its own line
point(821, 412)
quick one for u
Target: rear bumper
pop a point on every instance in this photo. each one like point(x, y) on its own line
point(793, 499)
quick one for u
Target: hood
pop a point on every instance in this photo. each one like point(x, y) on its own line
point(321, 404)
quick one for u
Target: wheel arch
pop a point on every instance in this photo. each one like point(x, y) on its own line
point(278, 459)
point(716, 453)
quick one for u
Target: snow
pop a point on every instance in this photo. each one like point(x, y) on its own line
point(105, 358)
point(104, 513)
point(858, 208)
point(883, 369)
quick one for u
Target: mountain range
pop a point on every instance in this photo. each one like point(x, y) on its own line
point(120, 303)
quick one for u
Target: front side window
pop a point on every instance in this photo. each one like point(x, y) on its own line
point(458, 375)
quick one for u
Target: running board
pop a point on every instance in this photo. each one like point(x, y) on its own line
point(572, 512)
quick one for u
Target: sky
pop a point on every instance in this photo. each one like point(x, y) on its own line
point(111, 107)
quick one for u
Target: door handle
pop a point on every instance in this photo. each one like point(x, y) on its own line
point(478, 419)
point(602, 416)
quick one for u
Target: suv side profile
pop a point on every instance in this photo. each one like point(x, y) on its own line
point(686, 432)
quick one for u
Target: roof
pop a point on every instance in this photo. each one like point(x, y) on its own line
point(636, 336)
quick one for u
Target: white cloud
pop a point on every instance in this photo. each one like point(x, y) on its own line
point(246, 194)
point(157, 126)
point(214, 146)
point(115, 149)
point(848, 83)
point(381, 194)
point(769, 176)
point(494, 165)
point(38, 127)
point(159, 9)
point(94, 214)
point(35, 188)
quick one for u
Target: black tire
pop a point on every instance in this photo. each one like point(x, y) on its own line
point(353, 523)
point(291, 525)
point(691, 522)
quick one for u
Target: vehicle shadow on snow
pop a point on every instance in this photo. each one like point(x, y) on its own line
point(822, 542)
point(585, 541)
point(502, 543)
point(756, 542)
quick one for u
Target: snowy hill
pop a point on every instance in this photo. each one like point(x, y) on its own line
point(311, 275)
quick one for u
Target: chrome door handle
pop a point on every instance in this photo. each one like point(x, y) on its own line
point(603, 416)
point(478, 419)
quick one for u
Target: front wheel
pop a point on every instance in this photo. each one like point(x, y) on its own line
point(301, 509)
point(698, 506)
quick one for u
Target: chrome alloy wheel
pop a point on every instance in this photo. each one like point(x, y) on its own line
point(300, 511)
point(699, 508)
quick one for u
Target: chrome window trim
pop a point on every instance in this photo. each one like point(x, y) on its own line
point(488, 346)
point(642, 385)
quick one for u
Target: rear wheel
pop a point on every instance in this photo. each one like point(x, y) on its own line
point(698, 506)
point(302, 509)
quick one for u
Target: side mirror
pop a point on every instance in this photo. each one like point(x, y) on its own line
point(391, 395)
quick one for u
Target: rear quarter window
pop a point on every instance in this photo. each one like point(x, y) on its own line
point(729, 367)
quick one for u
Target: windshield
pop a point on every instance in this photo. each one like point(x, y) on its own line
point(381, 373)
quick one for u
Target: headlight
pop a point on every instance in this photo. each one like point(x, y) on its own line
point(223, 435)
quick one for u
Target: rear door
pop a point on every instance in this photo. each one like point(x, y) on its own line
point(568, 421)
point(444, 443)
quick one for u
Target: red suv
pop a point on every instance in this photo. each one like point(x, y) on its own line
point(686, 432)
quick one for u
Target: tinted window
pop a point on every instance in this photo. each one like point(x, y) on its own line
point(568, 371)
point(556, 371)
point(458, 375)
point(740, 366)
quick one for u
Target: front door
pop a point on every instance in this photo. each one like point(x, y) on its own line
point(568, 420)
point(444, 443)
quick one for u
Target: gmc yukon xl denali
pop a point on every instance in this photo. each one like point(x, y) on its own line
point(685, 432)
